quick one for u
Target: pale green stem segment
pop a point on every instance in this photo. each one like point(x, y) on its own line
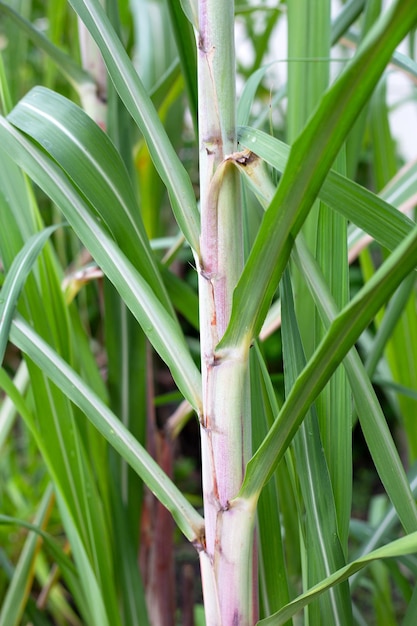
point(226, 557)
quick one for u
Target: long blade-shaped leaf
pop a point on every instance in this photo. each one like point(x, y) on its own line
point(375, 429)
point(91, 160)
point(310, 159)
point(137, 101)
point(372, 420)
point(373, 214)
point(347, 16)
point(400, 547)
point(157, 323)
point(321, 529)
point(96, 611)
point(187, 518)
point(273, 585)
point(341, 336)
point(60, 435)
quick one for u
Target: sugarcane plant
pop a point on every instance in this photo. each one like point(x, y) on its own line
point(94, 167)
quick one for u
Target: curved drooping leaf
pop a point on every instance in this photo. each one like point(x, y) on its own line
point(55, 368)
point(61, 436)
point(92, 162)
point(157, 323)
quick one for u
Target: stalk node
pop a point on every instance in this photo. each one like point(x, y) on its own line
point(214, 359)
point(200, 42)
point(199, 542)
point(202, 45)
point(209, 276)
point(203, 421)
point(207, 424)
point(212, 145)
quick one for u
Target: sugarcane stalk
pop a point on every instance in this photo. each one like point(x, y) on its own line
point(226, 556)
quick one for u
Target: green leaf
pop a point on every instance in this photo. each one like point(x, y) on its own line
point(14, 602)
point(183, 297)
point(340, 337)
point(384, 529)
point(137, 101)
point(374, 427)
point(324, 553)
point(373, 214)
point(373, 422)
point(395, 549)
point(190, 9)
point(410, 615)
point(70, 447)
point(248, 95)
point(75, 74)
point(384, 161)
point(400, 389)
point(391, 316)
point(55, 550)
point(310, 160)
point(15, 280)
point(53, 366)
point(185, 40)
point(93, 599)
point(346, 17)
point(398, 59)
point(127, 379)
point(92, 162)
point(273, 576)
point(129, 581)
point(158, 325)
point(14, 403)
point(165, 85)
